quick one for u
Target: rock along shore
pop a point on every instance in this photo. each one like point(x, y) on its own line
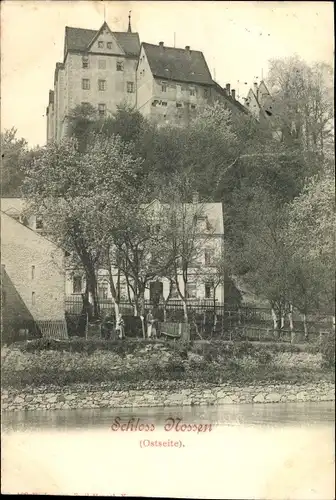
point(80, 396)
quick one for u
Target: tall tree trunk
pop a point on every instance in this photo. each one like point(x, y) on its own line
point(93, 293)
point(141, 302)
point(185, 310)
point(275, 320)
point(115, 295)
point(290, 318)
point(305, 327)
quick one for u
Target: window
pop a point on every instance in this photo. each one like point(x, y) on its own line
point(85, 62)
point(100, 45)
point(109, 45)
point(101, 64)
point(102, 110)
point(192, 91)
point(101, 85)
point(33, 298)
point(163, 87)
point(39, 222)
point(120, 66)
point(77, 284)
point(193, 106)
point(179, 105)
point(85, 84)
point(130, 87)
point(208, 290)
point(192, 291)
point(208, 257)
point(163, 103)
point(33, 272)
point(102, 289)
point(206, 93)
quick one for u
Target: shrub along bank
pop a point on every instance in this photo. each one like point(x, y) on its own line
point(130, 363)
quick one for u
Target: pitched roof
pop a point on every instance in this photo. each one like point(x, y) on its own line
point(80, 38)
point(177, 64)
point(229, 98)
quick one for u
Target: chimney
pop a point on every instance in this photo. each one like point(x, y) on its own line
point(195, 198)
point(161, 44)
point(233, 93)
point(187, 48)
point(227, 86)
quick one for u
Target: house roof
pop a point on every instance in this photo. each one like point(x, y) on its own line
point(8, 216)
point(229, 98)
point(79, 39)
point(178, 64)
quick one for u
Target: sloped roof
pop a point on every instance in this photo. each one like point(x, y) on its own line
point(178, 64)
point(80, 38)
point(229, 98)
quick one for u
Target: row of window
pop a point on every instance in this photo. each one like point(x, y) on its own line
point(192, 90)
point(101, 64)
point(102, 85)
point(101, 45)
point(103, 289)
point(165, 103)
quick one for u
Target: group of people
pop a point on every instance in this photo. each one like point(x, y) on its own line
point(151, 324)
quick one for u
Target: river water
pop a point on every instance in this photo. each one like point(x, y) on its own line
point(273, 451)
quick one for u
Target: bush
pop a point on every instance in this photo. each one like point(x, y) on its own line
point(328, 350)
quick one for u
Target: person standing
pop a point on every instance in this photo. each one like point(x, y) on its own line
point(120, 326)
point(149, 321)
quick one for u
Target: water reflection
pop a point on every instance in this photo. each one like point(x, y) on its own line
point(261, 414)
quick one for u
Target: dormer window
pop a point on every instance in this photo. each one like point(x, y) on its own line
point(100, 45)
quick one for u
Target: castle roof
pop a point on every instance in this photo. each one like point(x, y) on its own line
point(79, 39)
point(182, 65)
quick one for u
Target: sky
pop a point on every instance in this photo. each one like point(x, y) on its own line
point(237, 39)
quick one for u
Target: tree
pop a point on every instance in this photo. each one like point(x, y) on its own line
point(13, 150)
point(302, 101)
point(74, 192)
point(311, 233)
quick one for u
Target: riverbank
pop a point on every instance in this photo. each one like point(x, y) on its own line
point(76, 374)
point(86, 396)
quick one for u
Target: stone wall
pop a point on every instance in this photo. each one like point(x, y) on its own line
point(84, 396)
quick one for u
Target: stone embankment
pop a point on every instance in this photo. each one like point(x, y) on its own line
point(82, 396)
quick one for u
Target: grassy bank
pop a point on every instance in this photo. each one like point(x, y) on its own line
point(133, 363)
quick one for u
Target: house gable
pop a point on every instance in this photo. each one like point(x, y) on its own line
point(105, 42)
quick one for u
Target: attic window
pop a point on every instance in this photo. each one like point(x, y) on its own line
point(100, 45)
point(109, 45)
